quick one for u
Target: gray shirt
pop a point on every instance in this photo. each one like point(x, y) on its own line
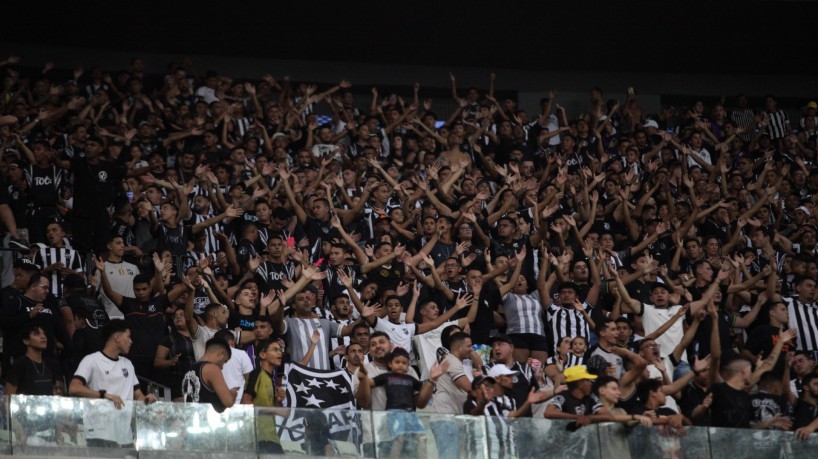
point(448, 397)
point(299, 338)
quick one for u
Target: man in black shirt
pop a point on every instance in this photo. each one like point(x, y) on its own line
point(652, 398)
point(576, 404)
point(770, 409)
point(731, 401)
point(145, 313)
point(803, 364)
point(762, 339)
point(173, 235)
point(96, 182)
point(44, 180)
point(277, 268)
point(34, 306)
point(32, 373)
point(316, 224)
point(806, 408)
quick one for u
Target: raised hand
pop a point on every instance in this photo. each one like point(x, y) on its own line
point(233, 212)
point(788, 335)
point(158, 264)
point(535, 397)
point(429, 261)
point(99, 263)
point(437, 370)
point(463, 301)
point(467, 260)
point(520, 256)
point(724, 272)
point(335, 222)
point(368, 311)
point(188, 284)
point(700, 365)
point(344, 278)
point(253, 263)
point(399, 249)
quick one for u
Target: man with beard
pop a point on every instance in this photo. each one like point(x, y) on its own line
point(380, 347)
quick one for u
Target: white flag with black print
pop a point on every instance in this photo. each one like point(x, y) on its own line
point(328, 408)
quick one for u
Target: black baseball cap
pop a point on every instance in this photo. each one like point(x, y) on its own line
point(501, 337)
point(26, 264)
point(480, 380)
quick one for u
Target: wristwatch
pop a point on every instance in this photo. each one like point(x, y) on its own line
point(102, 393)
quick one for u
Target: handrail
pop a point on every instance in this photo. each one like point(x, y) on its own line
point(65, 426)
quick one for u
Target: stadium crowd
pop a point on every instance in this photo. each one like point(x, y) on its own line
point(610, 265)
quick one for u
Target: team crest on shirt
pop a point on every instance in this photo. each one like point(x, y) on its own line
point(384, 273)
point(125, 372)
point(151, 308)
point(103, 176)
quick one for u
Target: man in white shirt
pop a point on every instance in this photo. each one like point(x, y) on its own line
point(236, 370)
point(660, 311)
point(120, 275)
point(207, 92)
point(110, 376)
point(216, 316)
point(699, 156)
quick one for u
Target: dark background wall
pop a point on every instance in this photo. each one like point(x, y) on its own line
point(669, 51)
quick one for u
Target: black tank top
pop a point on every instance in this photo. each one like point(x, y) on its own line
point(195, 389)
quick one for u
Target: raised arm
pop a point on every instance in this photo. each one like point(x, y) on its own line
point(410, 311)
point(284, 174)
point(768, 363)
point(669, 323)
point(437, 370)
point(314, 339)
point(519, 257)
point(461, 303)
point(230, 212)
point(356, 249)
point(638, 365)
point(190, 318)
point(438, 284)
point(723, 274)
point(629, 305)
point(476, 288)
point(114, 296)
point(396, 252)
